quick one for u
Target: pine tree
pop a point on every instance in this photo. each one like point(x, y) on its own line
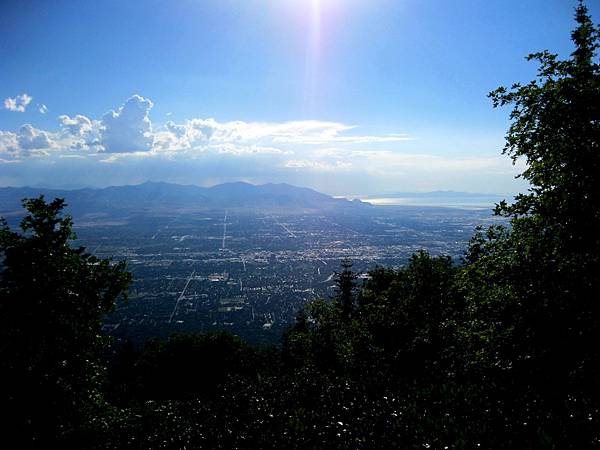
point(52, 300)
point(346, 285)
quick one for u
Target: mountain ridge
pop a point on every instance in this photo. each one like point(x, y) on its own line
point(162, 195)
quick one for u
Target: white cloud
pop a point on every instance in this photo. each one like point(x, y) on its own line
point(9, 147)
point(76, 126)
point(43, 109)
point(179, 131)
point(80, 133)
point(27, 142)
point(129, 128)
point(197, 133)
point(18, 103)
point(33, 141)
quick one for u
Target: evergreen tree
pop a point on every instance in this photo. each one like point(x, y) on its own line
point(52, 299)
point(346, 285)
point(534, 288)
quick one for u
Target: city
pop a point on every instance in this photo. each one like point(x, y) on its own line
point(250, 271)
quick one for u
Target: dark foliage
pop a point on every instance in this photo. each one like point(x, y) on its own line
point(52, 299)
point(345, 282)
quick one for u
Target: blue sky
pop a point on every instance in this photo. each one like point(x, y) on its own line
point(345, 96)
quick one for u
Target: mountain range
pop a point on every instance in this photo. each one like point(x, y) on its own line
point(167, 196)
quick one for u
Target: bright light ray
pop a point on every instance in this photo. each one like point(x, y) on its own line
point(312, 58)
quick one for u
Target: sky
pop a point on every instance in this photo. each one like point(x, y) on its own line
point(349, 97)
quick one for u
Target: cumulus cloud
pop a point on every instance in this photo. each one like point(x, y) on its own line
point(27, 142)
point(33, 141)
point(76, 126)
point(18, 103)
point(80, 133)
point(9, 147)
point(129, 128)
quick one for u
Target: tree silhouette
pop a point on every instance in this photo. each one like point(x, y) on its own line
point(345, 282)
point(52, 299)
point(533, 288)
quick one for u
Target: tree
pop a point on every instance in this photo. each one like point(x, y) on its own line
point(555, 127)
point(52, 300)
point(346, 284)
point(534, 288)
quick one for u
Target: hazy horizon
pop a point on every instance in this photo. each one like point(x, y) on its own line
point(350, 195)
